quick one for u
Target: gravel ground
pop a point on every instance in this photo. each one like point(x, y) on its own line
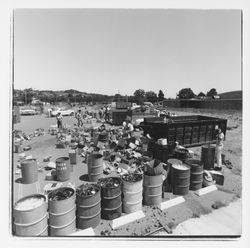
point(193, 207)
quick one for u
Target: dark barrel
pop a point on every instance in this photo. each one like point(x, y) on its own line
point(196, 177)
point(29, 171)
point(111, 203)
point(62, 211)
point(208, 156)
point(180, 179)
point(88, 207)
point(62, 169)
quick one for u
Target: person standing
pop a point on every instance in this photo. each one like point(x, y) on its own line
point(79, 118)
point(59, 120)
point(219, 146)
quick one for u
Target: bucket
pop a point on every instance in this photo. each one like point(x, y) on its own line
point(62, 169)
point(132, 195)
point(72, 157)
point(61, 211)
point(180, 179)
point(88, 209)
point(152, 190)
point(111, 205)
point(29, 171)
point(95, 167)
point(30, 216)
point(196, 177)
point(208, 156)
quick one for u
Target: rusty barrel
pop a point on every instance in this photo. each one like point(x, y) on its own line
point(29, 171)
point(111, 204)
point(132, 194)
point(88, 208)
point(30, 216)
point(152, 189)
point(208, 156)
point(180, 179)
point(62, 169)
point(95, 166)
point(196, 176)
point(181, 154)
point(62, 211)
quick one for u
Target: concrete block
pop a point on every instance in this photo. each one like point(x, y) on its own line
point(86, 232)
point(205, 190)
point(126, 219)
point(171, 203)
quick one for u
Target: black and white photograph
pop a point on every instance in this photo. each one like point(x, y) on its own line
point(126, 123)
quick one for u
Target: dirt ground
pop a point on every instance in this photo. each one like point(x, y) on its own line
point(194, 205)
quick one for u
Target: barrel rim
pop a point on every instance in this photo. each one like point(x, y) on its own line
point(49, 200)
point(89, 217)
point(62, 159)
point(58, 214)
point(28, 160)
point(59, 227)
point(27, 197)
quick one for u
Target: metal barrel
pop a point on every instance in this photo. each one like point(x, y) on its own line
point(208, 156)
point(62, 212)
point(132, 196)
point(62, 169)
point(29, 171)
point(72, 157)
point(95, 167)
point(30, 216)
point(88, 210)
point(111, 204)
point(196, 177)
point(152, 190)
point(180, 179)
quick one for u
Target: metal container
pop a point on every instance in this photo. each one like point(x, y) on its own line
point(62, 169)
point(208, 156)
point(180, 179)
point(88, 213)
point(31, 221)
point(196, 177)
point(72, 157)
point(132, 196)
point(62, 213)
point(29, 171)
point(95, 167)
point(152, 190)
point(111, 203)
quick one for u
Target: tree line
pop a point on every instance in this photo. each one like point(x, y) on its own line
point(74, 96)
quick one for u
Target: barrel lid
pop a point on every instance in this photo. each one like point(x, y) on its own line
point(29, 202)
point(181, 166)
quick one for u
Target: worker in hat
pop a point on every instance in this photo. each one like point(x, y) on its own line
point(219, 146)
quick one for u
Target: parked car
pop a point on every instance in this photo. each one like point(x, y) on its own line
point(28, 111)
point(64, 112)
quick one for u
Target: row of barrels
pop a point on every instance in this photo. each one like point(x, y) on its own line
point(68, 209)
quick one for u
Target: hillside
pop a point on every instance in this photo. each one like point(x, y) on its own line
point(231, 95)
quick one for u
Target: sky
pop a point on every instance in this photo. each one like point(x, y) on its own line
point(118, 51)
